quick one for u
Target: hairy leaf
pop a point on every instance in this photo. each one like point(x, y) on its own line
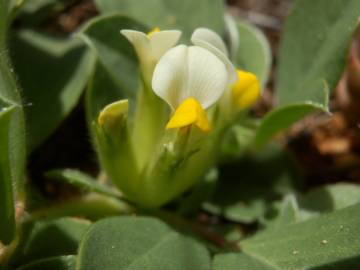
point(54, 263)
point(7, 215)
point(185, 15)
point(315, 48)
point(233, 261)
point(254, 53)
point(246, 188)
point(332, 238)
point(139, 243)
point(12, 138)
point(53, 85)
point(81, 180)
point(47, 238)
point(116, 75)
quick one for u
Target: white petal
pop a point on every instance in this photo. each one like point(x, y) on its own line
point(163, 41)
point(189, 72)
point(140, 41)
point(211, 37)
point(170, 75)
point(202, 39)
point(208, 76)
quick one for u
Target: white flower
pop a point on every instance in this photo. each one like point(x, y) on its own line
point(205, 35)
point(190, 80)
point(208, 39)
point(245, 87)
point(150, 47)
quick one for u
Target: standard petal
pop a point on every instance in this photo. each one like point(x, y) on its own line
point(190, 72)
point(207, 76)
point(140, 41)
point(211, 37)
point(163, 41)
point(211, 41)
point(170, 76)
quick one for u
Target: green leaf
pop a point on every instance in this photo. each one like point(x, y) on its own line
point(139, 243)
point(312, 58)
point(246, 188)
point(281, 118)
point(328, 198)
point(48, 238)
point(185, 15)
point(7, 215)
point(54, 84)
point(12, 138)
point(233, 261)
point(81, 180)
point(317, 201)
point(114, 51)
point(253, 53)
point(315, 42)
point(283, 213)
point(91, 206)
point(3, 21)
point(54, 263)
point(236, 141)
point(101, 91)
point(319, 242)
point(116, 75)
point(288, 212)
point(200, 193)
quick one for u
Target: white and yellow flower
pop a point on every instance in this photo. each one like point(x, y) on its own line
point(136, 153)
point(244, 86)
point(150, 47)
point(212, 42)
point(190, 79)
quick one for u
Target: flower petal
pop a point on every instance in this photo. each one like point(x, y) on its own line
point(246, 90)
point(189, 72)
point(207, 76)
point(189, 112)
point(162, 41)
point(211, 41)
point(211, 37)
point(170, 75)
point(140, 41)
point(110, 117)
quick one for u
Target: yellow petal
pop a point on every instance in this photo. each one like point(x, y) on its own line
point(153, 31)
point(246, 90)
point(189, 113)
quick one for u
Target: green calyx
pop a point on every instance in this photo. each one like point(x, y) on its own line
point(178, 158)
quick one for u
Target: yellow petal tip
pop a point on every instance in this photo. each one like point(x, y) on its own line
point(246, 90)
point(189, 112)
point(153, 31)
